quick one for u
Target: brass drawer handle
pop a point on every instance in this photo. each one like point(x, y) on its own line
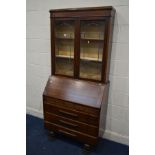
point(68, 113)
point(67, 123)
point(67, 133)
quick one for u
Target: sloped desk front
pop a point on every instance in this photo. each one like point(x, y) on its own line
point(72, 107)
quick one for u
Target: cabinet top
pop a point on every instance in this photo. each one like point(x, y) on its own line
point(99, 11)
point(83, 9)
point(74, 90)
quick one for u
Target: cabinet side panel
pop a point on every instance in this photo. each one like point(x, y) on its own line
point(103, 112)
point(107, 49)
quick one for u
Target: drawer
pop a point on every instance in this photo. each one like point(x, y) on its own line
point(74, 134)
point(71, 114)
point(70, 105)
point(74, 125)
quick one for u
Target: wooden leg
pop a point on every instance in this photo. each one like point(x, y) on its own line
point(51, 135)
point(87, 149)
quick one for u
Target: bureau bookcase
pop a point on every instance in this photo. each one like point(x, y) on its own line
point(75, 96)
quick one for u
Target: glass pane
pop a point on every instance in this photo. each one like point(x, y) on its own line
point(91, 50)
point(64, 47)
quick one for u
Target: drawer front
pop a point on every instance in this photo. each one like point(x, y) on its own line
point(74, 115)
point(70, 124)
point(77, 135)
point(70, 105)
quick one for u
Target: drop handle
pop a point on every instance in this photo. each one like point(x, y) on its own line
point(68, 113)
point(67, 123)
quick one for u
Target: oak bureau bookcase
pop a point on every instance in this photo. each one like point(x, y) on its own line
point(76, 94)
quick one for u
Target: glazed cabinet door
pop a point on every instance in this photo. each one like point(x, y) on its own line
point(91, 49)
point(64, 47)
